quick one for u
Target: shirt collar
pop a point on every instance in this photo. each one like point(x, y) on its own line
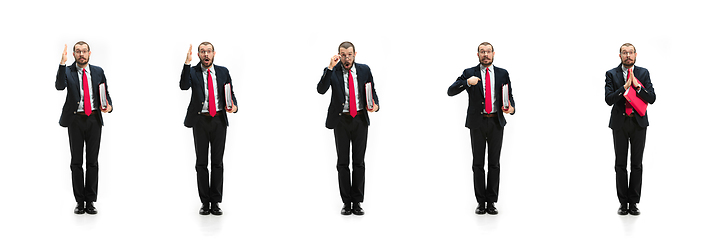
point(87, 68)
point(491, 67)
point(354, 70)
point(624, 69)
point(212, 68)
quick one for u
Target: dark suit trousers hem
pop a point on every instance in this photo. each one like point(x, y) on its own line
point(489, 133)
point(210, 133)
point(354, 131)
point(630, 134)
point(84, 131)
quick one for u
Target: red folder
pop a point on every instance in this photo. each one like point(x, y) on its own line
point(637, 103)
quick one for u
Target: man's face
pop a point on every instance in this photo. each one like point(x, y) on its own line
point(347, 56)
point(81, 54)
point(628, 56)
point(486, 55)
point(206, 55)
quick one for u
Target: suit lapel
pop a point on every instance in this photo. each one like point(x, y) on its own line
point(201, 78)
point(75, 81)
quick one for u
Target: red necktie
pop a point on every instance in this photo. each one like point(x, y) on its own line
point(86, 94)
point(487, 93)
point(353, 103)
point(627, 106)
point(211, 89)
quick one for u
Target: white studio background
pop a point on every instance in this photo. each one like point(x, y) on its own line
point(280, 177)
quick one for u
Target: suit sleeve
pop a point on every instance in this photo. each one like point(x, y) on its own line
point(185, 78)
point(107, 91)
point(459, 85)
point(325, 81)
point(511, 95)
point(232, 89)
point(374, 93)
point(611, 94)
point(61, 78)
point(647, 91)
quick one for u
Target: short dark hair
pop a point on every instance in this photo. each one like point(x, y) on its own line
point(81, 43)
point(205, 43)
point(346, 45)
point(627, 45)
point(485, 44)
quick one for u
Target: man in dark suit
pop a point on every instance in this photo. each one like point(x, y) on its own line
point(628, 127)
point(208, 121)
point(82, 116)
point(347, 115)
point(485, 123)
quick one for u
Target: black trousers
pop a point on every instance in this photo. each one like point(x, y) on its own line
point(210, 132)
point(489, 133)
point(84, 131)
point(354, 131)
point(630, 134)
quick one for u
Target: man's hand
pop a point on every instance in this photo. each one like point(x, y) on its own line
point(234, 109)
point(635, 82)
point(509, 110)
point(472, 81)
point(374, 108)
point(629, 81)
point(64, 56)
point(188, 60)
point(333, 61)
point(109, 108)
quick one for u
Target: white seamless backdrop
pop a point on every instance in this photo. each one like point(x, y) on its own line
point(280, 177)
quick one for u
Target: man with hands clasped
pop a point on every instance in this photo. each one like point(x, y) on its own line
point(206, 116)
point(347, 116)
point(82, 115)
point(484, 84)
point(629, 128)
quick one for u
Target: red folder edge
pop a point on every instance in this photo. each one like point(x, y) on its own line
point(637, 103)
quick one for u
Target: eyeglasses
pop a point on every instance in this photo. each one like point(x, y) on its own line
point(347, 56)
point(81, 52)
point(484, 53)
point(628, 53)
point(205, 52)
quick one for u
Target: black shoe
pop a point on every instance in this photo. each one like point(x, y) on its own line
point(623, 210)
point(90, 209)
point(215, 209)
point(633, 210)
point(357, 209)
point(205, 209)
point(481, 210)
point(491, 209)
point(80, 208)
point(347, 209)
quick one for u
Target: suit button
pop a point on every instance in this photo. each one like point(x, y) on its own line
point(199, 112)
point(624, 114)
point(342, 104)
point(482, 102)
point(74, 112)
point(340, 114)
point(78, 102)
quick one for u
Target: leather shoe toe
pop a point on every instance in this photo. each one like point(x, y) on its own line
point(346, 210)
point(80, 208)
point(90, 208)
point(205, 209)
point(491, 209)
point(357, 209)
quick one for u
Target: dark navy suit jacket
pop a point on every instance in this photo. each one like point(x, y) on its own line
point(335, 79)
point(192, 78)
point(476, 94)
point(614, 95)
point(67, 77)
